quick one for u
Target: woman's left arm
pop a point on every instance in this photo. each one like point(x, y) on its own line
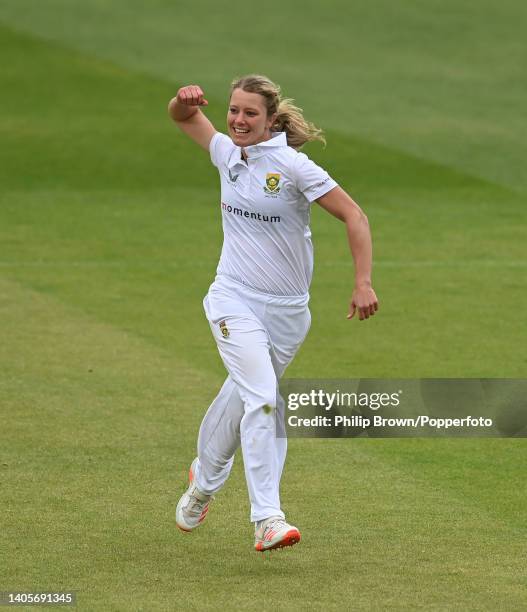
point(338, 203)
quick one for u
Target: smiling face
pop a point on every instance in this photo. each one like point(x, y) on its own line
point(247, 118)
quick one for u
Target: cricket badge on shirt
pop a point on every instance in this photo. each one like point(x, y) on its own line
point(272, 183)
point(224, 330)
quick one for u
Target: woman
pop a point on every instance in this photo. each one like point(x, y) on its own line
point(257, 306)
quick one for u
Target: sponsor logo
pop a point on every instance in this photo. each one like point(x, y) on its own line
point(224, 330)
point(257, 216)
point(233, 177)
point(272, 183)
point(321, 183)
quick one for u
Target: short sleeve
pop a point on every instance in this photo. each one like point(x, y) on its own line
point(312, 180)
point(220, 149)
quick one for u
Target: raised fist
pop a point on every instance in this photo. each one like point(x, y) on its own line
point(191, 95)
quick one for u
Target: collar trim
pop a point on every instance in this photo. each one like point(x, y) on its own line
point(278, 139)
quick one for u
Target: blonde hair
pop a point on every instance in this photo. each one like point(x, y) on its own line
point(289, 117)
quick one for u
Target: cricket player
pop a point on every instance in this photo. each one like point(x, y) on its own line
point(257, 306)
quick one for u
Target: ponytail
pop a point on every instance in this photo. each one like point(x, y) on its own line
point(291, 121)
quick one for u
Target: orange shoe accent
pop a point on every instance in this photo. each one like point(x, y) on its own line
point(270, 535)
point(291, 538)
point(203, 514)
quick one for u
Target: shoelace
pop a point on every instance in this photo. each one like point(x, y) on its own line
point(275, 524)
point(196, 506)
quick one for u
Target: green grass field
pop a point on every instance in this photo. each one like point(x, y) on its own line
point(110, 234)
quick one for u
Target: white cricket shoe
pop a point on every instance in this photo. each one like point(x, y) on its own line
point(274, 532)
point(193, 506)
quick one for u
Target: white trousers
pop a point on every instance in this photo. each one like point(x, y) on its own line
point(257, 336)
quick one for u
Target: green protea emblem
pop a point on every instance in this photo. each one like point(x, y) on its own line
point(272, 183)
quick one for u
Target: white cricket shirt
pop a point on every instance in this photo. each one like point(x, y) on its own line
point(265, 207)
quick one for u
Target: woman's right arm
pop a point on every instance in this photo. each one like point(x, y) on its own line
point(184, 110)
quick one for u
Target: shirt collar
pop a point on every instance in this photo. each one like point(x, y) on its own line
point(278, 139)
